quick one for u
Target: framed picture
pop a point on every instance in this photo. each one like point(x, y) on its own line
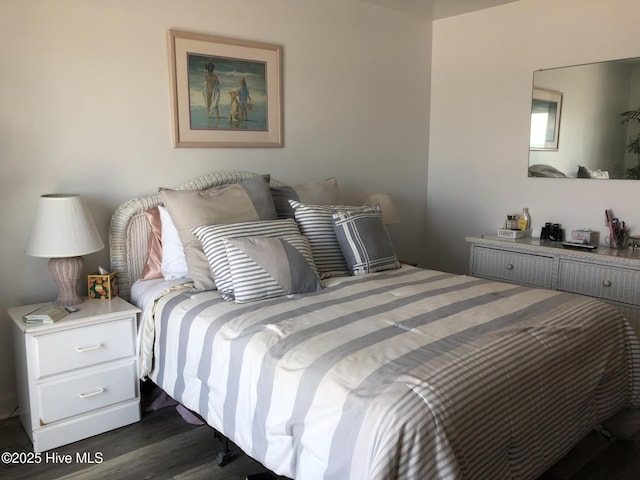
point(546, 107)
point(224, 92)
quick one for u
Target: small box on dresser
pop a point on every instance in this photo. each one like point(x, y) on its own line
point(102, 286)
point(585, 236)
point(77, 377)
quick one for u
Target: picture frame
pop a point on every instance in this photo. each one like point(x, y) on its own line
point(224, 92)
point(546, 109)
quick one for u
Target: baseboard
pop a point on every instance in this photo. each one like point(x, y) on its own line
point(8, 404)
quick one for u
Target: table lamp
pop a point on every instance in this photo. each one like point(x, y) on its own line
point(63, 231)
point(389, 213)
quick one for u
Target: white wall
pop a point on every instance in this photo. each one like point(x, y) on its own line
point(84, 108)
point(482, 66)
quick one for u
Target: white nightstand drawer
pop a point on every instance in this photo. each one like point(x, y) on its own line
point(84, 393)
point(609, 283)
point(81, 347)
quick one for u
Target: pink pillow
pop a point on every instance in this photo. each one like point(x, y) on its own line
point(153, 266)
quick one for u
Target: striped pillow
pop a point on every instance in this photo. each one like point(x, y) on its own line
point(364, 241)
point(212, 239)
point(316, 224)
point(267, 267)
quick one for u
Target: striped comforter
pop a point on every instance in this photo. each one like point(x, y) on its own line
point(406, 374)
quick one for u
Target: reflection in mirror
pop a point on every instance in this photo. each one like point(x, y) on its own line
point(585, 121)
point(545, 119)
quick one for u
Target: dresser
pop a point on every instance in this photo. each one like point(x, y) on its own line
point(76, 377)
point(604, 273)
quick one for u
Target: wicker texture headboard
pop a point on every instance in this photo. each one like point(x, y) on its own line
point(129, 228)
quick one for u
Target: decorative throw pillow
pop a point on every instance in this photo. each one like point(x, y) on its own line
point(324, 192)
point(245, 201)
point(584, 172)
point(364, 240)
point(267, 267)
point(543, 170)
point(153, 264)
point(316, 223)
point(212, 240)
point(174, 263)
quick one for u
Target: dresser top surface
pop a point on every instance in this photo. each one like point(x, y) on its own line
point(602, 254)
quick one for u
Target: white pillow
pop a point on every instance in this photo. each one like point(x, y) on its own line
point(174, 263)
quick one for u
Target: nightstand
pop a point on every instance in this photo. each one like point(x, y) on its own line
point(77, 377)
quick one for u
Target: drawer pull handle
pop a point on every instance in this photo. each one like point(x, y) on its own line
point(606, 283)
point(509, 266)
point(91, 394)
point(89, 348)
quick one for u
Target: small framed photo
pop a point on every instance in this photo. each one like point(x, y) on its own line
point(546, 107)
point(224, 92)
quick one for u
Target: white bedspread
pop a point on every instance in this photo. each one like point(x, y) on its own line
point(406, 374)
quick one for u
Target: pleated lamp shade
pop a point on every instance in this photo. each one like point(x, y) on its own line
point(63, 231)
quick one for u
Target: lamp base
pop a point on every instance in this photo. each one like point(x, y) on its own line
point(66, 273)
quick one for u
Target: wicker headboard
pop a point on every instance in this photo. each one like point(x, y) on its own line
point(129, 228)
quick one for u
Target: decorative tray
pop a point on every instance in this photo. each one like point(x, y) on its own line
point(506, 233)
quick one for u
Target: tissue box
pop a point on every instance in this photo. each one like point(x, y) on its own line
point(102, 287)
point(587, 237)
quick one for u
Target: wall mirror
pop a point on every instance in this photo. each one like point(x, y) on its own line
point(585, 121)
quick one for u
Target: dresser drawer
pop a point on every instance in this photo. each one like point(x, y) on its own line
point(609, 283)
point(535, 270)
point(84, 346)
point(84, 393)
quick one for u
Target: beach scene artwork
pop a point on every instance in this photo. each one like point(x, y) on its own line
point(227, 93)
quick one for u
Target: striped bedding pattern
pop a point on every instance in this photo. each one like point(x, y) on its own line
point(403, 374)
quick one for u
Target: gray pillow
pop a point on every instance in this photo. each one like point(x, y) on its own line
point(584, 172)
point(267, 267)
point(324, 192)
point(542, 170)
point(245, 201)
point(364, 240)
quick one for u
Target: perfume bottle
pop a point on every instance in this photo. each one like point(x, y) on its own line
point(511, 223)
point(524, 222)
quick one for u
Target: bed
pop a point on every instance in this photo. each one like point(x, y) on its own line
point(401, 373)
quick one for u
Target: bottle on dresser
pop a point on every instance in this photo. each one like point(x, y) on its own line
point(524, 222)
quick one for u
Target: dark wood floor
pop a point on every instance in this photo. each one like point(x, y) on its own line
point(164, 446)
point(161, 446)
